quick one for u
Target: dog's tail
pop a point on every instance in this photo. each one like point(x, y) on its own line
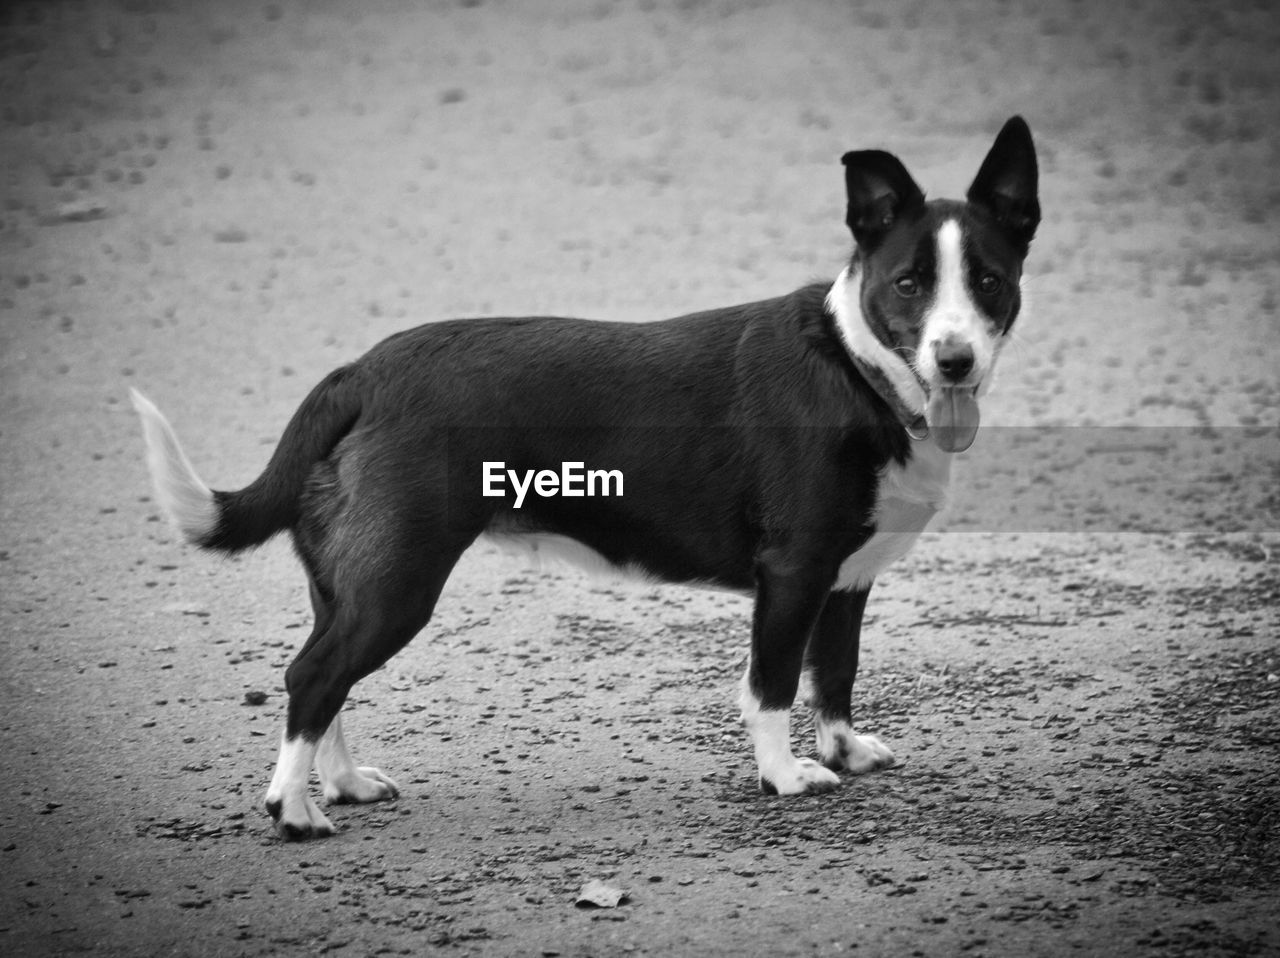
point(231, 521)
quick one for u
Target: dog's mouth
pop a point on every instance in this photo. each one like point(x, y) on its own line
point(952, 417)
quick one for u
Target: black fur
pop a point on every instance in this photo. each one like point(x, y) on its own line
point(1007, 184)
point(880, 193)
point(271, 503)
point(749, 444)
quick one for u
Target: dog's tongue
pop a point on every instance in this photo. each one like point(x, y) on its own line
point(952, 416)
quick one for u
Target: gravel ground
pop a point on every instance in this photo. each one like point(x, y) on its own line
point(217, 203)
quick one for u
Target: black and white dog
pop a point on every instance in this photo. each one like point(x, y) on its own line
point(791, 449)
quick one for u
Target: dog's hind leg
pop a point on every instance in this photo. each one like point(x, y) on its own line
point(831, 664)
point(382, 598)
point(341, 780)
point(295, 814)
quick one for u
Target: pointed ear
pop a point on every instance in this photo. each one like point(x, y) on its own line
point(880, 191)
point(1008, 181)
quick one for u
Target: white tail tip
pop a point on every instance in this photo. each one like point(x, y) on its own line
point(185, 499)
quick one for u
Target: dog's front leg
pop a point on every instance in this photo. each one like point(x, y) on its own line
point(831, 664)
point(787, 604)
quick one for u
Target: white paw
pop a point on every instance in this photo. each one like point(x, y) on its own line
point(855, 753)
point(798, 776)
point(356, 786)
point(298, 818)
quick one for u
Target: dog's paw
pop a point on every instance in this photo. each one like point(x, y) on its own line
point(801, 776)
point(360, 785)
point(842, 751)
point(868, 754)
point(297, 821)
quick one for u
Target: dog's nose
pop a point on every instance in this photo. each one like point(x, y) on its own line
point(954, 359)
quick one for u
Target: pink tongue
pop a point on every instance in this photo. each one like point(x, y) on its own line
point(953, 419)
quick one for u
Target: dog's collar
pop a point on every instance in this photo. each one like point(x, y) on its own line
point(885, 371)
point(913, 422)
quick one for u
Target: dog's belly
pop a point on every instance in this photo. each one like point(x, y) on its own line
point(548, 550)
point(908, 498)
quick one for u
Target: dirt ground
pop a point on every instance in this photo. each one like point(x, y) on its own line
point(218, 203)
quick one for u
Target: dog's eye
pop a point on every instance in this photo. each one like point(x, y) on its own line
point(989, 284)
point(906, 286)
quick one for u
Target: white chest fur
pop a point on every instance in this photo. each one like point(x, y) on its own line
point(908, 497)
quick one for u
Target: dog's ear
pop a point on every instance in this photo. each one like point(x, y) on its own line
point(1008, 181)
point(880, 191)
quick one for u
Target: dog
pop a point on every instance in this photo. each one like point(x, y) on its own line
point(790, 449)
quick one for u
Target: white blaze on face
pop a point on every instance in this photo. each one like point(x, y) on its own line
point(954, 320)
point(954, 317)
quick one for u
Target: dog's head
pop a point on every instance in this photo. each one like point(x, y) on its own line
point(938, 281)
